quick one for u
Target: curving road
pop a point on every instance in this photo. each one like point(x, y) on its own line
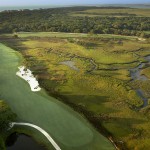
point(39, 129)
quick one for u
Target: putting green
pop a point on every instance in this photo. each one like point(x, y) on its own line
point(70, 130)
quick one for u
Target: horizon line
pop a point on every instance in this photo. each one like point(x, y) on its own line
point(77, 4)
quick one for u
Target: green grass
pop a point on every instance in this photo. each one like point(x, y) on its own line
point(50, 34)
point(147, 32)
point(113, 12)
point(69, 35)
point(101, 54)
point(146, 72)
point(104, 95)
point(68, 128)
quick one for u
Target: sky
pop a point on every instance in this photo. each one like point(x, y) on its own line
point(67, 2)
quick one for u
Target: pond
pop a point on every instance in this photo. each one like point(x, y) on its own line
point(22, 142)
point(70, 64)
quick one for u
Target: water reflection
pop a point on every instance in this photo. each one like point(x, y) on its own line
point(22, 142)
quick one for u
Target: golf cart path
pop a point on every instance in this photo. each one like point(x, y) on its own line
point(39, 129)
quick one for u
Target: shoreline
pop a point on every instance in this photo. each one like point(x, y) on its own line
point(49, 138)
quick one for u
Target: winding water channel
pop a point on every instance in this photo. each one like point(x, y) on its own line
point(69, 129)
point(136, 75)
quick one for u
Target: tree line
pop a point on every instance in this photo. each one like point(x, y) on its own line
point(60, 20)
point(6, 117)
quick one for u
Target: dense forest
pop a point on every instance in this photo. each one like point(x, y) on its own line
point(60, 20)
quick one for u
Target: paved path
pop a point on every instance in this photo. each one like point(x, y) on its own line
point(41, 130)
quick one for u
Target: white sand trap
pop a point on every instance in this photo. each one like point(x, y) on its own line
point(27, 75)
point(141, 39)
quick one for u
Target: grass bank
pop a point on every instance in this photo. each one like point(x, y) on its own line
point(104, 95)
point(62, 123)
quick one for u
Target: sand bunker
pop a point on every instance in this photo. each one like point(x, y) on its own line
point(27, 75)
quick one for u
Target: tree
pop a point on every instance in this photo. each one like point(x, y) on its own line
point(6, 116)
point(58, 20)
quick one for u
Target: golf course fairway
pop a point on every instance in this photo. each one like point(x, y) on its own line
point(69, 130)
